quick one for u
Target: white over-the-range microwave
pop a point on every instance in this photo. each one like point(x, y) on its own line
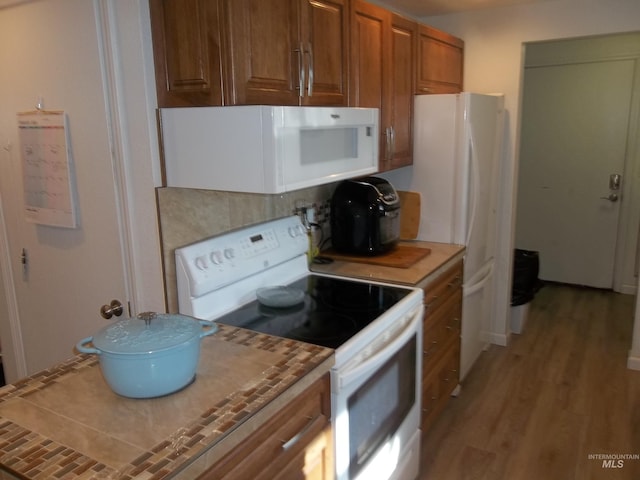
point(267, 149)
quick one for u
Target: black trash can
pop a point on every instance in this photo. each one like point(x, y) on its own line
point(526, 267)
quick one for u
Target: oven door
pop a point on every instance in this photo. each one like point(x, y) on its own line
point(376, 406)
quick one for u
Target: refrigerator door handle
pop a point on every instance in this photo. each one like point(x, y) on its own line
point(475, 179)
point(477, 281)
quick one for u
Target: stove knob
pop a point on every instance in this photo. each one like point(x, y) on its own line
point(216, 257)
point(229, 253)
point(201, 262)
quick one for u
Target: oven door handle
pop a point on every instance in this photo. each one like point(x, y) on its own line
point(377, 359)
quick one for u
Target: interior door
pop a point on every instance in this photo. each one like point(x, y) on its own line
point(65, 274)
point(573, 138)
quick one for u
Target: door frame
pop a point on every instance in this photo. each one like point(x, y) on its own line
point(630, 209)
point(603, 48)
point(16, 367)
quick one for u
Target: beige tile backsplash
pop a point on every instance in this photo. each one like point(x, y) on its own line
point(189, 215)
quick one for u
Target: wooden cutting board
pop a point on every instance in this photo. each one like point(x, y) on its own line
point(402, 256)
point(409, 214)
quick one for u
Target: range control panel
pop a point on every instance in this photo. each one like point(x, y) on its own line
point(228, 258)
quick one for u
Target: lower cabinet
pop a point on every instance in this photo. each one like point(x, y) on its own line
point(441, 343)
point(295, 444)
point(438, 385)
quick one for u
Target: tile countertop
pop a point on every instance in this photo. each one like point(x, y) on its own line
point(441, 255)
point(65, 422)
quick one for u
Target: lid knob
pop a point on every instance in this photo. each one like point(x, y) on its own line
point(147, 317)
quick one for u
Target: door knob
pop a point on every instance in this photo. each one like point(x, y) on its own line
point(612, 197)
point(114, 308)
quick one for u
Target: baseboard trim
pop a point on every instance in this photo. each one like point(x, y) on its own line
point(501, 339)
point(633, 361)
point(628, 289)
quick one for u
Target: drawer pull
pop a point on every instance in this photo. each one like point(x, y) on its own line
point(296, 438)
point(431, 300)
point(428, 350)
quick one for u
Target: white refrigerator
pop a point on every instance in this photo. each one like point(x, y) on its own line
point(457, 140)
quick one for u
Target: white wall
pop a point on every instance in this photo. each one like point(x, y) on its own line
point(494, 41)
point(94, 59)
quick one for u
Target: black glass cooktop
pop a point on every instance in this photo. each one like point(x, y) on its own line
point(333, 310)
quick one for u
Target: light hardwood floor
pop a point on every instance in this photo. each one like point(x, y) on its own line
point(537, 409)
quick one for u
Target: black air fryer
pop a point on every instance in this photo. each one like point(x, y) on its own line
point(365, 216)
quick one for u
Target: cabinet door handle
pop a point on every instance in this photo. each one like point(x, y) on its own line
point(296, 438)
point(311, 69)
point(390, 134)
point(393, 143)
point(387, 134)
point(301, 77)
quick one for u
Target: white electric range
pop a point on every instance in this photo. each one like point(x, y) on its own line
point(375, 329)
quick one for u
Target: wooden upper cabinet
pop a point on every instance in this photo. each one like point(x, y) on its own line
point(324, 31)
point(286, 52)
point(262, 51)
point(382, 76)
point(402, 87)
point(369, 56)
point(187, 52)
point(440, 61)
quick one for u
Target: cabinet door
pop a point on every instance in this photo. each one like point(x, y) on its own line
point(295, 443)
point(187, 52)
point(324, 37)
point(402, 85)
point(369, 54)
point(369, 84)
point(440, 61)
point(382, 75)
point(263, 52)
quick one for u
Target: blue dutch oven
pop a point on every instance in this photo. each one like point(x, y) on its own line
point(149, 356)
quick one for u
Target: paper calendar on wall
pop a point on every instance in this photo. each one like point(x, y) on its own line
point(47, 168)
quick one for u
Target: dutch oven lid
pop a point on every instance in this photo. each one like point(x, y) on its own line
point(148, 333)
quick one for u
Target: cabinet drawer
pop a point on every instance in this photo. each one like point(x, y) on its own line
point(313, 463)
point(440, 330)
point(436, 293)
point(439, 384)
point(284, 440)
point(430, 398)
point(449, 374)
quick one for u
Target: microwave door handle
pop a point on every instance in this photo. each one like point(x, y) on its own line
point(378, 358)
